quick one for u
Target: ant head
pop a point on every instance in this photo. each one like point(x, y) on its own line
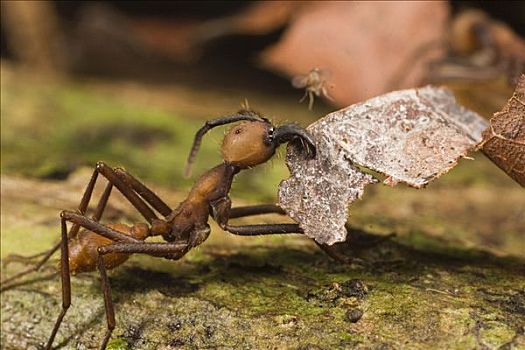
point(248, 144)
point(254, 141)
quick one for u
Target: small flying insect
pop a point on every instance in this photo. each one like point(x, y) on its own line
point(314, 83)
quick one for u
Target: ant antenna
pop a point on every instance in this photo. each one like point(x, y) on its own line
point(210, 124)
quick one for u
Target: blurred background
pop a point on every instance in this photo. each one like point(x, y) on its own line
point(130, 83)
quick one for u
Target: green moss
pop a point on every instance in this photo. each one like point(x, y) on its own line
point(118, 344)
point(26, 239)
point(67, 126)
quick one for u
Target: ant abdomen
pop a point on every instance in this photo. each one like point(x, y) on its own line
point(83, 248)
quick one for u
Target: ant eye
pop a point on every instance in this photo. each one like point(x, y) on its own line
point(268, 140)
point(238, 131)
point(270, 134)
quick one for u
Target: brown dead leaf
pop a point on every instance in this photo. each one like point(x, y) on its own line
point(480, 49)
point(183, 40)
point(504, 140)
point(411, 136)
point(260, 17)
point(362, 44)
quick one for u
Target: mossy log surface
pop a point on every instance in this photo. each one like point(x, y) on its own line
point(414, 291)
point(453, 277)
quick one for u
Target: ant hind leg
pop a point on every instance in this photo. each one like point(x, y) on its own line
point(168, 250)
point(128, 185)
point(66, 282)
point(79, 220)
point(84, 202)
point(266, 229)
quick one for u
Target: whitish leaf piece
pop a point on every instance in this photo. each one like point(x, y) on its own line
point(411, 136)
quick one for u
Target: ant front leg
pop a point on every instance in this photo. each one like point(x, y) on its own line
point(222, 212)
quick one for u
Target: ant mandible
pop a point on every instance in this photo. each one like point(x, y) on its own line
point(102, 247)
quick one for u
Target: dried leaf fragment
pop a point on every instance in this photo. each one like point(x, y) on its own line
point(365, 43)
point(504, 140)
point(411, 136)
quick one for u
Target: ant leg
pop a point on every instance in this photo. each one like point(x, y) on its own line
point(73, 232)
point(335, 254)
point(47, 254)
point(131, 188)
point(260, 209)
point(21, 258)
point(127, 191)
point(169, 250)
point(354, 236)
point(222, 214)
point(262, 229)
point(108, 303)
point(66, 282)
point(331, 250)
point(102, 202)
point(148, 195)
point(221, 209)
point(92, 225)
point(270, 229)
point(172, 250)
